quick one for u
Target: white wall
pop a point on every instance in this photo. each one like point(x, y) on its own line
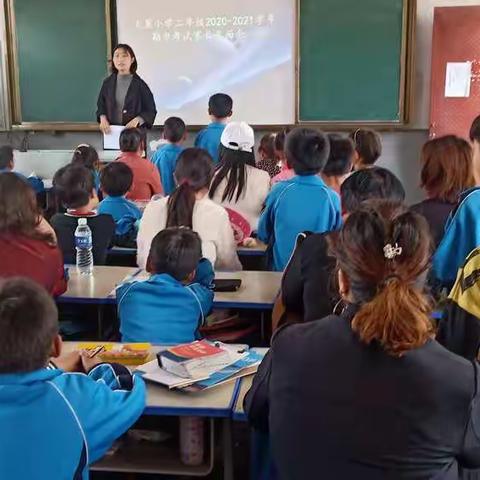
point(423, 53)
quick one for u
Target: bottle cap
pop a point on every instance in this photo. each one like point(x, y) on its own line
point(82, 221)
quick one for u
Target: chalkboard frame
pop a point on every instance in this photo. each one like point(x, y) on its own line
point(13, 87)
point(407, 78)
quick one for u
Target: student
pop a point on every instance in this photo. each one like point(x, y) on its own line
point(220, 108)
point(447, 171)
point(7, 164)
point(286, 172)
point(86, 156)
point(475, 141)
point(302, 203)
point(173, 303)
point(28, 244)
point(266, 151)
point(238, 184)
point(309, 290)
point(146, 179)
point(368, 393)
point(368, 148)
point(55, 424)
point(76, 190)
point(116, 180)
point(165, 158)
point(189, 206)
point(340, 161)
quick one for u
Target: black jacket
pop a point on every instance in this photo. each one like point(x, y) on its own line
point(340, 410)
point(138, 102)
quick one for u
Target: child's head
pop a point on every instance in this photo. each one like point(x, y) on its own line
point(475, 140)
point(266, 149)
point(368, 147)
point(28, 326)
point(447, 168)
point(132, 140)
point(19, 212)
point(193, 174)
point(307, 150)
point(370, 184)
point(75, 187)
point(340, 160)
point(220, 106)
point(116, 179)
point(175, 251)
point(6, 157)
point(86, 155)
point(174, 130)
point(280, 138)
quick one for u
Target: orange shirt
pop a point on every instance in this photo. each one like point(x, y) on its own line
point(146, 179)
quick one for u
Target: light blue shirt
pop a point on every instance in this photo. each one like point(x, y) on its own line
point(165, 159)
point(35, 182)
point(209, 139)
point(124, 212)
point(303, 203)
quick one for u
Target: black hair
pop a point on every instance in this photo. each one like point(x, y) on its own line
point(340, 159)
point(267, 145)
point(6, 156)
point(116, 179)
point(220, 105)
point(175, 251)
point(307, 150)
point(74, 185)
point(372, 183)
point(129, 50)
point(28, 326)
point(232, 167)
point(87, 156)
point(174, 129)
point(475, 130)
point(131, 140)
point(368, 145)
point(280, 137)
point(194, 172)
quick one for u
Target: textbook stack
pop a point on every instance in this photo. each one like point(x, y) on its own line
point(200, 365)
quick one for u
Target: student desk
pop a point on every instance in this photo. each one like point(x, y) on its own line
point(214, 404)
point(258, 291)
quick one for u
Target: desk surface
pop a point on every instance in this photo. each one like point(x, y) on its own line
point(258, 290)
point(215, 402)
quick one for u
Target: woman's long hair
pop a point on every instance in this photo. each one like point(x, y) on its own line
point(19, 212)
point(194, 172)
point(232, 167)
point(384, 252)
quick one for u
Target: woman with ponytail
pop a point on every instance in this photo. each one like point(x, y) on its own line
point(189, 206)
point(368, 393)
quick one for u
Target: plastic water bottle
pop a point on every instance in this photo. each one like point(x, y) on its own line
point(191, 440)
point(83, 244)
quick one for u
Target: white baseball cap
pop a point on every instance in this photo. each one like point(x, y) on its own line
point(238, 136)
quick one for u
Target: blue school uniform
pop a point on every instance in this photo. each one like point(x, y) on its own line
point(462, 235)
point(209, 139)
point(163, 310)
point(165, 159)
point(124, 212)
point(55, 424)
point(35, 182)
point(303, 203)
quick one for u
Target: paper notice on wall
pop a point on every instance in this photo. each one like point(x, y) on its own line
point(459, 78)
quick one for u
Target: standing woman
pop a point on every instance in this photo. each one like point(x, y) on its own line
point(125, 99)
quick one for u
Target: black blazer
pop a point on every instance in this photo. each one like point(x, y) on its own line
point(138, 102)
point(340, 410)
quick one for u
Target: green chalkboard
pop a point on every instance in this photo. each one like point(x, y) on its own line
point(351, 60)
point(61, 52)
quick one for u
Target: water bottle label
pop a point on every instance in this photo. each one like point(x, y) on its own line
point(83, 242)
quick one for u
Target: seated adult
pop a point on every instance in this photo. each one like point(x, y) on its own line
point(447, 172)
point(28, 244)
point(308, 286)
point(369, 394)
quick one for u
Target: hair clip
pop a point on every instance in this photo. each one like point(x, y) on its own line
point(391, 252)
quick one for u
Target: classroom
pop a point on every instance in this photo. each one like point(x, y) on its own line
point(240, 239)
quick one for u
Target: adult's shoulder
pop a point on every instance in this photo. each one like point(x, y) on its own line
point(110, 79)
point(137, 78)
